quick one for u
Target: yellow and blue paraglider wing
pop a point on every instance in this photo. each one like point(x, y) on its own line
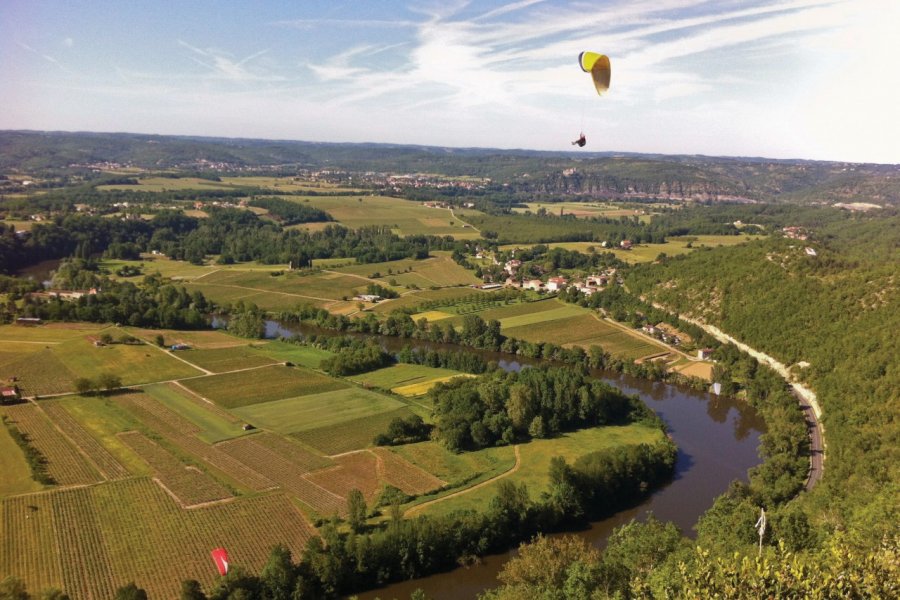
point(598, 66)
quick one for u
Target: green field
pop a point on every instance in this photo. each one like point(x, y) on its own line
point(350, 435)
point(305, 356)
point(54, 368)
point(277, 293)
point(587, 330)
point(437, 271)
point(464, 468)
point(404, 217)
point(535, 462)
point(313, 411)
point(581, 209)
point(16, 475)
point(401, 375)
point(221, 360)
point(258, 386)
point(215, 424)
point(413, 299)
point(640, 253)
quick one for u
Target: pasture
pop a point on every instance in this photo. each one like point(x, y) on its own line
point(403, 217)
point(258, 386)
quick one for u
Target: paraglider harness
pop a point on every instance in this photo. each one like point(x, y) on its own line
point(580, 142)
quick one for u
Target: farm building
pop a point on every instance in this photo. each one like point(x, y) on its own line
point(28, 321)
point(625, 244)
point(179, 347)
point(533, 284)
point(9, 394)
point(704, 353)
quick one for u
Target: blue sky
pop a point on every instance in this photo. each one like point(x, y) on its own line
point(812, 79)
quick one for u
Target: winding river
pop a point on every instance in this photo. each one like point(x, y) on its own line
point(717, 440)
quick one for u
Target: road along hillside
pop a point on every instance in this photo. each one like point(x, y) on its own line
point(807, 398)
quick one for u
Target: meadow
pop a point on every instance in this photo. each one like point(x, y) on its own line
point(437, 271)
point(400, 376)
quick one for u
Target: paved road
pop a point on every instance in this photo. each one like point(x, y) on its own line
point(805, 396)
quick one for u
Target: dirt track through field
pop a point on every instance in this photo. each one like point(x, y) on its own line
point(415, 509)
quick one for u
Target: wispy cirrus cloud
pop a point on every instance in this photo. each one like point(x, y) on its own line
point(224, 67)
point(46, 57)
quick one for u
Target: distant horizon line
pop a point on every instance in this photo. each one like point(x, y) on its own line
point(589, 153)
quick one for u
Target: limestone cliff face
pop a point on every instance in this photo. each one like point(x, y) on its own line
point(696, 188)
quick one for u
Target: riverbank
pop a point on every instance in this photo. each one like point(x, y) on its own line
point(811, 408)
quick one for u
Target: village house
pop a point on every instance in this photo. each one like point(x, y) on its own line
point(532, 284)
point(704, 353)
point(555, 284)
point(512, 265)
point(625, 244)
point(368, 298)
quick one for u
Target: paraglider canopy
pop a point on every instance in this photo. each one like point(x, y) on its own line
point(598, 66)
point(220, 557)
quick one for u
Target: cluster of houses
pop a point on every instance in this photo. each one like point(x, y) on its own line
point(67, 295)
point(795, 233)
point(587, 286)
point(667, 334)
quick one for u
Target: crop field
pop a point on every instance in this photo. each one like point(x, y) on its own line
point(107, 464)
point(28, 543)
point(65, 464)
point(221, 360)
point(535, 461)
point(39, 373)
point(401, 374)
point(517, 315)
point(420, 389)
point(313, 411)
point(181, 433)
point(404, 217)
point(703, 370)
point(439, 270)
point(282, 292)
point(586, 330)
point(91, 540)
point(257, 386)
point(581, 209)
point(351, 471)
point(404, 475)
point(640, 253)
point(280, 465)
point(48, 332)
point(188, 484)
point(456, 469)
point(215, 424)
point(289, 184)
point(305, 356)
point(413, 299)
point(350, 435)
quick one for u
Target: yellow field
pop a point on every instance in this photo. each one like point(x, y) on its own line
point(420, 389)
point(433, 315)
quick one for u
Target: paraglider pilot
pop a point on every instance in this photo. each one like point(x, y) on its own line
point(580, 142)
